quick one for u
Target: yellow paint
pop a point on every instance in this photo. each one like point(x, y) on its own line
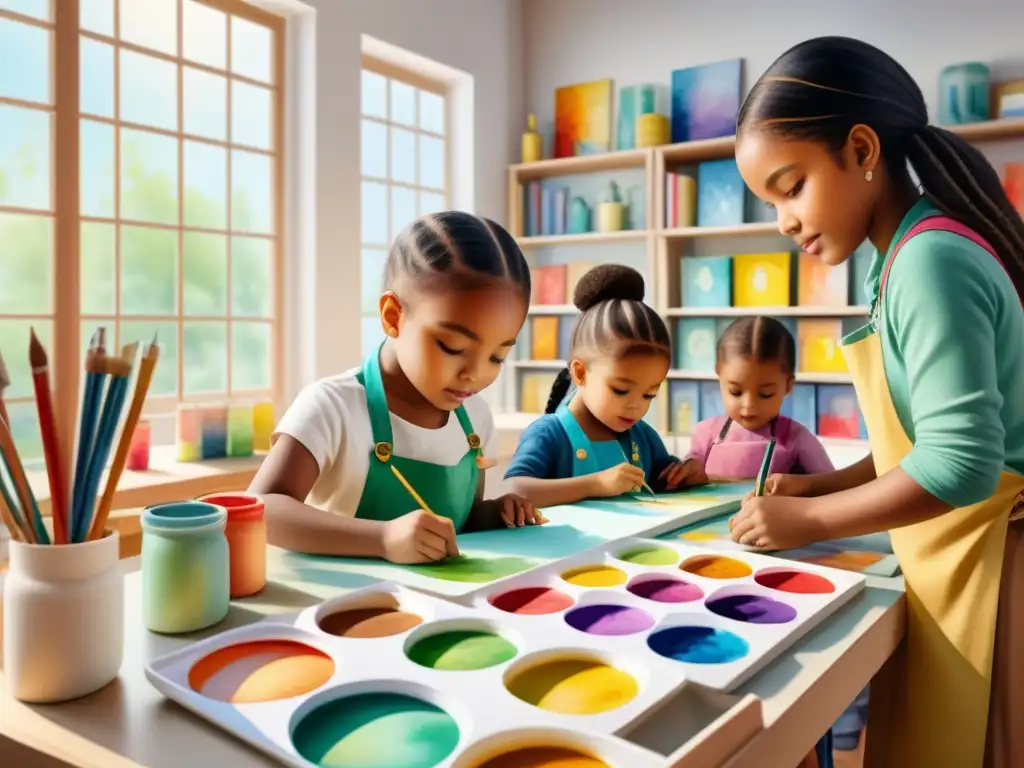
point(574, 687)
point(700, 536)
point(261, 671)
point(595, 576)
point(716, 567)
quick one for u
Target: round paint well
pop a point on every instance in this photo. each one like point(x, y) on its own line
point(544, 757)
point(698, 645)
point(751, 608)
point(376, 730)
point(716, 567)
point(665, 589)
point(260, 671)
point(648, 555)
point(609, 619)
point(369, 622)
point(532, 601)
point(461, 650)
point(595, 576)
point(573, 686)
point(794, 582)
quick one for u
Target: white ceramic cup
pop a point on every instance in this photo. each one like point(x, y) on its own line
point(63, 619)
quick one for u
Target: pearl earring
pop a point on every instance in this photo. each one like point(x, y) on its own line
point(868, 176)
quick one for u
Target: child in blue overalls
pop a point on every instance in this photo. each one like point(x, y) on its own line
point(598, 445)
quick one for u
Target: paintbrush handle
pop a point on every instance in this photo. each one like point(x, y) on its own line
point(86, 432)
point(410, 489)
point(9, 506)
point(33, 521)
point(146, 368)
point(51, 452)
point(101, 451)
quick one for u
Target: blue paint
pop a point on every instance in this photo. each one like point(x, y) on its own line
point(698, 645)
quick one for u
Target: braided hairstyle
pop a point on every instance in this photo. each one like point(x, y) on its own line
point(613, 322)
point(457, 251)
point(763, 339)
point(820, 89)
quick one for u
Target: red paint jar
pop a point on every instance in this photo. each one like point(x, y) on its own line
point(247, 541)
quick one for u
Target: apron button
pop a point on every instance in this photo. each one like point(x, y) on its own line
point(382, 451)
point(581, 454)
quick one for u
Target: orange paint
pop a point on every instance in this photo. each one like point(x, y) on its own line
point(716, 567)
point(260, 671)
point(246, 532)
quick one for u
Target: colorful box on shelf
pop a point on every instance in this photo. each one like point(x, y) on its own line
point(762, 279)
point(548, 284)
point(240, 430)
point(684, 404)
point(214, 425)
point(838, 414)
point(544, 337)
point(216, 431)
point(706, 281)
point(818, 346)
point(534, 390)
point(680, 200)
point(696, 341)
point(721, 194)
point(262, 425)
point(821, 285)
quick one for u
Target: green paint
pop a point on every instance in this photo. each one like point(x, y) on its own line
point(478, 570)
point(376, 730)
point(650, 556)
point(463, 650)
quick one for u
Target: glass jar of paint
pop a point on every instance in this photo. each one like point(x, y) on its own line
point(247, 541)
point(63, 619)
point(185, 571)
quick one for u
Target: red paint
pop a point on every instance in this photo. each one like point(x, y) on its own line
point(532, 601)
point(795, 582)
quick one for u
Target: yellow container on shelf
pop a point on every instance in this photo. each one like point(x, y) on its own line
point(610, 217)
point(761, 279)
point(652, 130)
point(533, 144)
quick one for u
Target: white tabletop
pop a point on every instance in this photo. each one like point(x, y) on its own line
point(129, 724)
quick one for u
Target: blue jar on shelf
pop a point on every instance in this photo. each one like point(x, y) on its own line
point(963, 93)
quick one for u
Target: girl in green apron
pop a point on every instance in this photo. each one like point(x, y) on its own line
point(826, 137)
point(387, 460)
point(598, 445)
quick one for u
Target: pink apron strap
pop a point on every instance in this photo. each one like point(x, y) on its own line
point(939, 222)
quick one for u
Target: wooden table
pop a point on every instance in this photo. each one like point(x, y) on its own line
point(129, 724)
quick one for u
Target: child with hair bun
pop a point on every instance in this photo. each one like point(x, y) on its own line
point(755, 369)
point(598, 444)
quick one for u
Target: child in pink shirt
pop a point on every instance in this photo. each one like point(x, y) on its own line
point(755, 367)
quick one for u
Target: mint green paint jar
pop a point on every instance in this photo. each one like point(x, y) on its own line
point(185, 566)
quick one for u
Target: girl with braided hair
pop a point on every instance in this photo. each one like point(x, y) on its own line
point(835, 136)
point(456, 291)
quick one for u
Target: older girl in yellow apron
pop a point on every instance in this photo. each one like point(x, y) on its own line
point(826, 136)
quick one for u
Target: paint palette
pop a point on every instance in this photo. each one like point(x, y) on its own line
point(683, 611)
point(388, 677)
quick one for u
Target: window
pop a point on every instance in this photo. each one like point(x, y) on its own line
point(173, 216)
point(404, 169)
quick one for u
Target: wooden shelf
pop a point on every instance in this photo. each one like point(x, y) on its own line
point(567, 166)
point(553, 309)
point(543, 365)
point(801, 378)
point(586, 238)
point(740, 230)
point(852, 311)
point(990, 130)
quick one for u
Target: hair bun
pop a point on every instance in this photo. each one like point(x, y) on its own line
point(606, 282)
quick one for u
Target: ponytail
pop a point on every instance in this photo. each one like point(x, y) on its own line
point(961, 182)
point(558, 390)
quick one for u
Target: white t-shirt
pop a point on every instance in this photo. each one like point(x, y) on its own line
point(330, 418)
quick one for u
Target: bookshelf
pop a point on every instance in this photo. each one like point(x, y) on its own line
point(664, 247)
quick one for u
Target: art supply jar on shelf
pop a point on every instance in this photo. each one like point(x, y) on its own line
point(185, 571)
point(247, 541)
point(63, 619)
point(138, 448)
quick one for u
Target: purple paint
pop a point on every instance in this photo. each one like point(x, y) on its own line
point(754, 609)
point(666, 590)
point(609, 619)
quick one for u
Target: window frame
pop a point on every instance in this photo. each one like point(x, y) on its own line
point(422, 82)
point(65, 353)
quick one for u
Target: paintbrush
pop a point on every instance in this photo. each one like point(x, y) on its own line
point(10, 506)
point(411, 490)
point(766, 463)
point(33, 521)
point(48, 431)
point(91, 395)
point(119, 371)
point(5, 382)
point(145, 375)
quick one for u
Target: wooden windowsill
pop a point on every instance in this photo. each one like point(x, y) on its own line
point(167, 479)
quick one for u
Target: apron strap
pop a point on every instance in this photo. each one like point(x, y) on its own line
point(467, 429)
point(583, 451)
point(944, 224)
point(725, 430)
point(377, 406)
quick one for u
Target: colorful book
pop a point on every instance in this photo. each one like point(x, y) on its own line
point(1013, 182)
point(696, 342)
point(837, 411)
point(762, 279)
point(721, 194)
point(548, 284)
point(534, 390)
point(706, 281)
point(684, 401)
point(574, 271)
point(820, 285)
point(545, 338)
point(566, 324)
point(818, 345)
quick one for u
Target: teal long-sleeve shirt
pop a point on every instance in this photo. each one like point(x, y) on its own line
point(952, 334)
